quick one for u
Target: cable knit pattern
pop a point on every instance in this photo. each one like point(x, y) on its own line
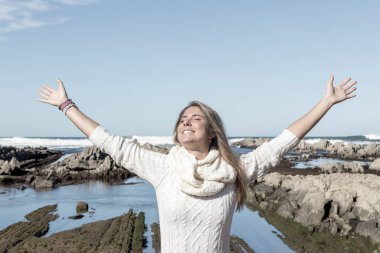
point(194, 217)
point(200, 177)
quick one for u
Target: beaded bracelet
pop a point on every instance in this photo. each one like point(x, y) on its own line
point(64, 104)
point(65, 109)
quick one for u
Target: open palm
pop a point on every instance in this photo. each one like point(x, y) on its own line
point(53, 97)
point(341, 92)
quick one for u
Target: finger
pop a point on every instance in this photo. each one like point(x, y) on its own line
point(49, 88)
point(348, 86)
point(45, 92)
point(351, 96)
point(349, 91)
point(60, 84)
point(42, 100)
point(44, 96)
point(331, 79)
point(345, 82)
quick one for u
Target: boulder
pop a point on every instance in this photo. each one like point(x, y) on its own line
point(245, 143)
point(322, 144)
point(375, 165)
point(82, 207)
point(40, 183)
point(370, 229)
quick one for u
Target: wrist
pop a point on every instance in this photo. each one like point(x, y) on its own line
point(327, 101)
point(64, 103)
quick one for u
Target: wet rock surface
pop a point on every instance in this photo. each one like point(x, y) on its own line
point(122, 234)
point(36, 226)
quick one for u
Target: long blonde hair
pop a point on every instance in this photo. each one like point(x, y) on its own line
point(215, 126)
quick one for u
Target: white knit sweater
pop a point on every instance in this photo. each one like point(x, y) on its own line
point(189, 223)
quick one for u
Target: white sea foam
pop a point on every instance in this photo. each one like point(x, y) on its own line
point(333, 141)
point(312, 141)
point(59, 143)
point(231, 141)
point(372, 136)
point(154, 140)
point(54, 143)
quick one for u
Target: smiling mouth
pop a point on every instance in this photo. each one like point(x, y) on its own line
point(187, 131)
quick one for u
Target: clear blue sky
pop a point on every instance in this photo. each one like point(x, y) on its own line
point(133, 65)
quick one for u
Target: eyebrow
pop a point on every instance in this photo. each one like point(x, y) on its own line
point(194, 115)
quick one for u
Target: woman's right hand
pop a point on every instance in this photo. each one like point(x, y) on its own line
point(53, 97)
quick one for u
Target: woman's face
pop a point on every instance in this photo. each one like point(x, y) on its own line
point(192, 131)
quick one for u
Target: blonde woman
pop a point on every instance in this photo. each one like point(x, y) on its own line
point(200, 183)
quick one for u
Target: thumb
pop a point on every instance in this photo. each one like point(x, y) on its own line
point(61, 87)
point(331, 80)
point(330, 85)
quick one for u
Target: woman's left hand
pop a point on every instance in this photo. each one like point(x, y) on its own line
point(341, 92)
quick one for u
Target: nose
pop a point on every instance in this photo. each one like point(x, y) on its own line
point(186, 122)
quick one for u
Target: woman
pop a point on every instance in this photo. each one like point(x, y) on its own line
point(200, 182)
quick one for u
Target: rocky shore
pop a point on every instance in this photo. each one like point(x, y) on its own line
point(333, 207)
point(39, 168)
point(343, 204)
point(325, 148)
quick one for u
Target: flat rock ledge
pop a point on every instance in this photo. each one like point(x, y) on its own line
point(341, 203)
point(122, 234)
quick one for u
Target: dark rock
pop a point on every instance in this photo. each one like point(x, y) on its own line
point(76, 217)
point(82, 207)
point(21, 187)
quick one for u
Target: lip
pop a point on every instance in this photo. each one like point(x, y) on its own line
point(187, 130)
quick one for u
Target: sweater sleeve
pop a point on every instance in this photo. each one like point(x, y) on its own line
point(257, 162)
point(127, 153)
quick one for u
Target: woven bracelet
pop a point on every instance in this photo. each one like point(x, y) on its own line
point(64, 104)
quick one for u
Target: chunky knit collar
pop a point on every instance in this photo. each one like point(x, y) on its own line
point(204, 177)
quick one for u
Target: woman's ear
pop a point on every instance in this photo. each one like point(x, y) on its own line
point(211, 134)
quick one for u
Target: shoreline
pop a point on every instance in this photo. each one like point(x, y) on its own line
point(90, 164)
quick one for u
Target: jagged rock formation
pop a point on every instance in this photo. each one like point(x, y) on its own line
point(17, 163)
point(341, 203)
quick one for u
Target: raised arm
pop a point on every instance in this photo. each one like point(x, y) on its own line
point(58, 97)
point(257, 162)
point(333, 95)
point(125, 152)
